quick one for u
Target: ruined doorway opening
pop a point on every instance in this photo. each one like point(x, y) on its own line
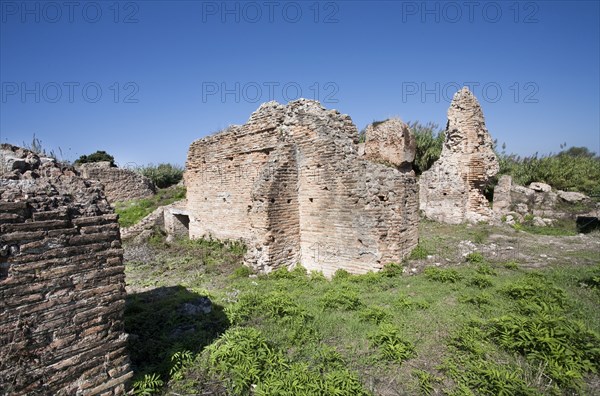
point(183, 222)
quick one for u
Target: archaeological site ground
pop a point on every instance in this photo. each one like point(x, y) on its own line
point(297, 255)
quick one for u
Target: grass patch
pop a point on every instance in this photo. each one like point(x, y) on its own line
point(490, 327)
point(131, 212)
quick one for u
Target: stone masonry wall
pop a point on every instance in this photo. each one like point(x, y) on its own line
point(451, 191)
point(291, 184)
point(119, 184)
point(62, 289)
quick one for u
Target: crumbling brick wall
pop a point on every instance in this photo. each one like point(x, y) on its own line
point(119, 184)
point(452, 190)
point(62, 289)
point(291, 184)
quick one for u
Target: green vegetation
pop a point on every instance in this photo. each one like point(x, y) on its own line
point(162, 175)
point(575, 169)
point(133, 211)
point(430, 140)
point(572, 169)
point(480, 327)
point(98, 156)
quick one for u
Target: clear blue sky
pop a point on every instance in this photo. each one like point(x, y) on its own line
point(143, 79)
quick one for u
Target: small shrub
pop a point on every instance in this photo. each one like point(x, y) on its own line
point(341, 298)
point(243, 271)
point(404, 302)
point(420, 252)
point(511, 265)
point(567, 349)
point(162, 175)
point(391, 345)
point(442, 275)
point(251, 366)
point(98, 156)
point(370, 278)
point(593, 280)
point(535, 294)
point(485, 269)
point(298, 272)
point(426, 381)
point(375, 315)
point(392, 270)
point(149, 384)
point(341, 275)
point(481, 281)
point(181, 360)
point(478, 300)
point(481, 235)
point(475, 258)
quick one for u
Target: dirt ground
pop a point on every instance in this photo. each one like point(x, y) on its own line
point(448, 245)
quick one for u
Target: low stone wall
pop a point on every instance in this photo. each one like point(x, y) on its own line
point(62, 288)
point(119, 184)
point(539, 203)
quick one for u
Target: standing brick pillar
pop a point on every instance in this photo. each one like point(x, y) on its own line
point(62, 282)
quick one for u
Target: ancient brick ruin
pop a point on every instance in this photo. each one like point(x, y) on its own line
point(62, 289)
point(451, 191)
point(539, 203)
point(291, 184)
point(119, 184)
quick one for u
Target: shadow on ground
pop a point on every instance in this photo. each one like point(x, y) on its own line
point(165, 320)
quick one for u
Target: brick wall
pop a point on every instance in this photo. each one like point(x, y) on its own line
point(291, 184)
point(62, 290)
